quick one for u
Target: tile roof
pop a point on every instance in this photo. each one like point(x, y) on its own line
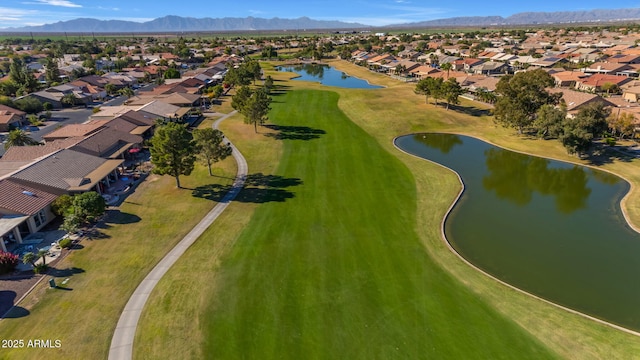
point(23, 199)
point(60, 171)
point(29, 153)
point(105, 142)
point(574, 99)
point(8, 109)
point(8, 118)
point(600, 79)
point(73, 130)
point(121, 125)
point(137, 118)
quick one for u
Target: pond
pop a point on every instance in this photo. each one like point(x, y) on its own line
point(327, 75)
point(551, 228)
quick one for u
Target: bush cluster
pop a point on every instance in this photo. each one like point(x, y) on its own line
point(8, 262)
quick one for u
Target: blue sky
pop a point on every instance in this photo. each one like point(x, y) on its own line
point(16, 13)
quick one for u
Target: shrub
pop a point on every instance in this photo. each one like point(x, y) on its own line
point(65, 243)
point(610, 141)
point(8, 262)
point(40, 268)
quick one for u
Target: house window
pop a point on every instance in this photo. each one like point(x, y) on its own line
point(40, 218)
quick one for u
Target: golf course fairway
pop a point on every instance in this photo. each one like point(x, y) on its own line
point(330, 265)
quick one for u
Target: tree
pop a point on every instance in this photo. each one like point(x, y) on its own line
point(62, 204)
point(446, 67)
point(29, 105)
point(240, 98)
point(268, 84)
point(217, 91)
point(579, 132)
point(71, 222)
point(522, 95)
point(253, 68)
point(42, 254)
point(610, 88)
point(621, 124)
point(428, 87)
point(19, 137)
point(68, 99)
point(269, 52)
point(172, 151)
point(110, 88)
point(126, 91)
point(210, 146)
point(239, 76)
point(172, 73)
point(29, 258)
point(450, 91)
point(21, 75)
point(256, 108)
point(88, 206)
point(549, 121)
point(52, 73)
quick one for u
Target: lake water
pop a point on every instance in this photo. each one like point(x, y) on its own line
point(327, 75)
point(551, 228)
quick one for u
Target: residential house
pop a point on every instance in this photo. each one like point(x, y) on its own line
point(69, 172)
point(11, 118)
point(424, 71)
point(177, 99)
point(594, 82)
point(624, 59)
point(24, 210)
point(631, 94)
point(73, 130)
point(548, 62)
point(568, 78)
point(490, 68)
point(108, 143)
point(604, 68)
point(576, 100)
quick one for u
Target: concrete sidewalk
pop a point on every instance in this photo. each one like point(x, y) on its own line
point(122, 340)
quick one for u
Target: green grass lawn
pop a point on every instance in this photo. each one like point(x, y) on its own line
point(103, 274)
point(331, 266)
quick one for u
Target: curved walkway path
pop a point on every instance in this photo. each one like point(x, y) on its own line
point(122, 340)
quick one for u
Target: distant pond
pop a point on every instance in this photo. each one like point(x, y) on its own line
point(551, 228)
point(327, 75)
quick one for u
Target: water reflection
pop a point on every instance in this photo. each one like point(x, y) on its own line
point(327, 75)
point(444, 142)
point(548, 227)
point(516, 177)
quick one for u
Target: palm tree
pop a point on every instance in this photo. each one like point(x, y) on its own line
point(18, 137)
point(42, 253)
point(29, 258)
point(68, 99)
point(447, 67)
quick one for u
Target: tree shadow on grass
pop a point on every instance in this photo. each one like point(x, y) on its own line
point(119, 217)
point(7, 299)
point(259, 188)
point(64, 272)
point(469, 110)
point(602, 155)
point(294, 132)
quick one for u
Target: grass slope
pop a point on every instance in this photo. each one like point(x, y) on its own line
point(337, 270)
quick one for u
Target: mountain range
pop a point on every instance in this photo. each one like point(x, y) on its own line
point(533, 18)
point(177, 23)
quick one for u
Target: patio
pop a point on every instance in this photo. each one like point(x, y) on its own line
point(47, 240)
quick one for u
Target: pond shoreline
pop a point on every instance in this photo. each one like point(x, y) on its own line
point(477, 268)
